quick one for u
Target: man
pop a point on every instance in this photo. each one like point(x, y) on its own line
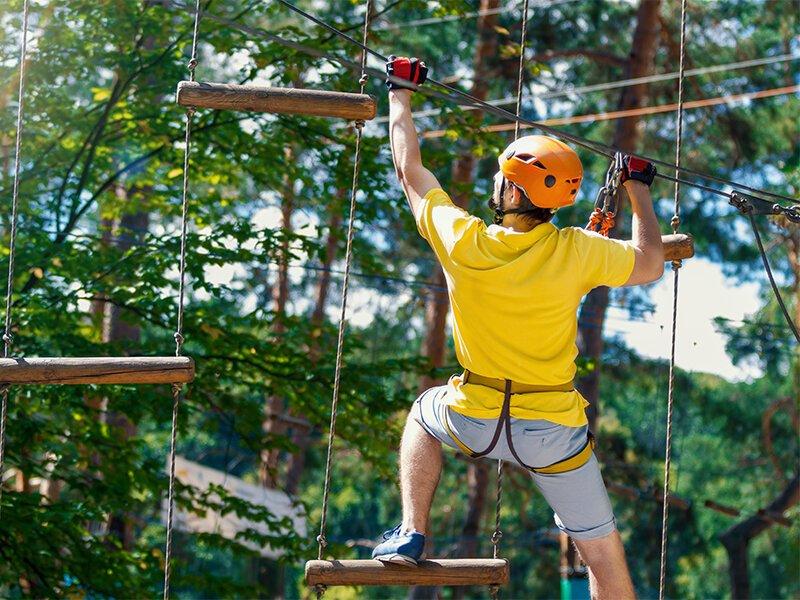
point(515, 288)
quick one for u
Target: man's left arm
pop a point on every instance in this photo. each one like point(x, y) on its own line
point(415, 179)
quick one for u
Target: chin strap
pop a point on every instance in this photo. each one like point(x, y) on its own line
point(499, 212)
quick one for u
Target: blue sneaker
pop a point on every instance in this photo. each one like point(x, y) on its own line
point(400, 547)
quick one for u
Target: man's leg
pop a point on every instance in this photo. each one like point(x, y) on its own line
point(420, 467)
point(609, 578)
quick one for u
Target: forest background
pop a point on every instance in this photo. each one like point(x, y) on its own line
point(101, 172)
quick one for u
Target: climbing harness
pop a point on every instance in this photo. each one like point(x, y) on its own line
point(603, 217)
point(8, 337)
point(509, 388)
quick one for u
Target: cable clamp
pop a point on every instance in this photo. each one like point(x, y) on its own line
point(753, 205)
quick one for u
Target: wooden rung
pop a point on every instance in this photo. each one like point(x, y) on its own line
point(677, 246)
point(134, 369)
point(467, 571)
point(317, 103)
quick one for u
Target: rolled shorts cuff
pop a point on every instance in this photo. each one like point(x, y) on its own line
point(588, 534)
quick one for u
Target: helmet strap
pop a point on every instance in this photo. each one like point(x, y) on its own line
point(499, 212)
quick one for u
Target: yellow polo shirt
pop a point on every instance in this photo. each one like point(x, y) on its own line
point(515, 298)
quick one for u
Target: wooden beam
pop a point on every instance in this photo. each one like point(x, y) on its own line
point(677, 246)
point(134, 369)
point(467, 571)
point(290, 101)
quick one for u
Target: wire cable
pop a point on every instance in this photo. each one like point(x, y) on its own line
point(775, 289)
point(610, 85)
point(598, 147)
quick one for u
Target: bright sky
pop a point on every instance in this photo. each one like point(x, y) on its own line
point(704, 293)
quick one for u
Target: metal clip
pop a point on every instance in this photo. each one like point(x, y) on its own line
point(747, 204)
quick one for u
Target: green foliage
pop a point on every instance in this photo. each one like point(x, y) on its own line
point(101, 181)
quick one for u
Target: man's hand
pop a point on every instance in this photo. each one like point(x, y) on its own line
point(637, 169)
point(412, 70)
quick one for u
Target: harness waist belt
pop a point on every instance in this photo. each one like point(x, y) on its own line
point(516, 387)
point(577, 460)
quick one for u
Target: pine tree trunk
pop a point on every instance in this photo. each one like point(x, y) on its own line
point(132, 228)
point(273, 424)
point(301, 436)
point(737, 538)
point(626, 137)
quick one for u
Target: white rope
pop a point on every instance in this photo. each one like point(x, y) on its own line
point(8, 338)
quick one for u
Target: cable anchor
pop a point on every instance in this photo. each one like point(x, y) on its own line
point(753, 205)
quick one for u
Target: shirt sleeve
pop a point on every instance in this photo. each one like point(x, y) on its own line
point(443, 224)
point(603, 261)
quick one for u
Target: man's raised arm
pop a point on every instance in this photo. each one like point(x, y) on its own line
point(645, 233)
point(415, 179)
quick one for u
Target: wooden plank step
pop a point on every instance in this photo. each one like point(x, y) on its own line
point(677, 246)
point(129, 369)
point(466, 571)
point(318, 103)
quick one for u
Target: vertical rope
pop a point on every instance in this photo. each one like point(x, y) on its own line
point(177, 389)
point(676, 265)
point(498, 532)
point(8, 338)
point(522, 41)
point(359, 125)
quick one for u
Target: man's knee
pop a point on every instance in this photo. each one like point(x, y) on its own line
point(603, 553)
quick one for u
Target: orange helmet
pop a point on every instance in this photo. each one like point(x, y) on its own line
point(546, 169)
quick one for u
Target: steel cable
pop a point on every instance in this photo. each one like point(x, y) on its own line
point(597, 147)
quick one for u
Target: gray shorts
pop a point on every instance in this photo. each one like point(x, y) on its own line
point(578, 497)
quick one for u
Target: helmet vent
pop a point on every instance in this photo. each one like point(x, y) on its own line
point(531, 160)
point(550, 181)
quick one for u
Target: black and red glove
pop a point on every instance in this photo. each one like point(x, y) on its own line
point(638, 169)
point(412, 70)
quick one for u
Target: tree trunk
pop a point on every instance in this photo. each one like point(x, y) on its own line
point(132, 228)
point(273, 424)
point(737, 538)
point(301, 436)
point(463, 171)
point(438, 303)
point(626, 137)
